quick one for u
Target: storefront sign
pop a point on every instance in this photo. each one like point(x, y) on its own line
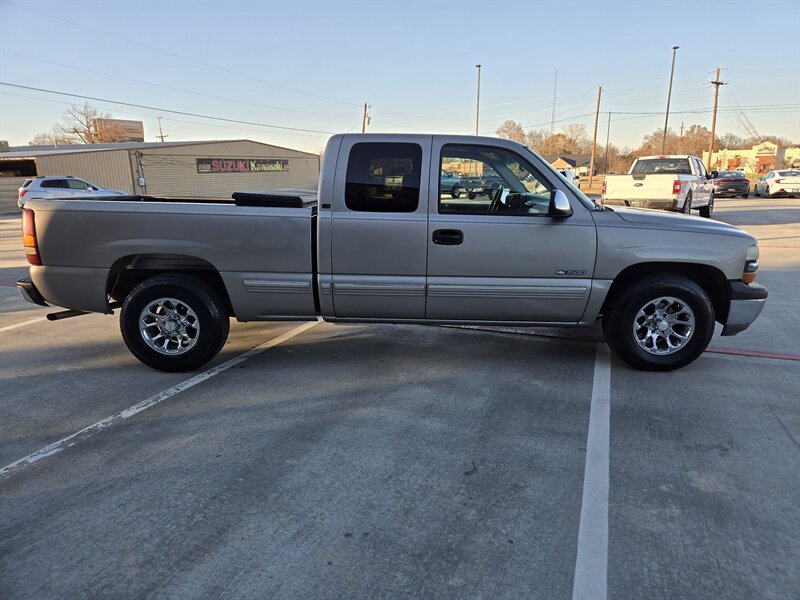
point(242, 165)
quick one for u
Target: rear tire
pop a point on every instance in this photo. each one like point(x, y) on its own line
point(687, 205)
point(627, 329)
point(706, 211)
point(174, 323)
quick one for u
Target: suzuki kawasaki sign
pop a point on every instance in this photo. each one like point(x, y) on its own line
point(242, 165)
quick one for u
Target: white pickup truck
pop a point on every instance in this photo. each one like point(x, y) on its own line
point(678, 183)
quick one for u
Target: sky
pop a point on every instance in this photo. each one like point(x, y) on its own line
point(297, 72)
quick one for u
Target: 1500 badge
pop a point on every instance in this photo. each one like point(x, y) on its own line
point(571, 272)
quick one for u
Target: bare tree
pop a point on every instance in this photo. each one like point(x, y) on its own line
point(80, 126)
point(51, 138)
point(578, 139)
point(535, 137)
point(511, 130)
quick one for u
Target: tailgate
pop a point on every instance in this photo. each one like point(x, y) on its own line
point(640, 187)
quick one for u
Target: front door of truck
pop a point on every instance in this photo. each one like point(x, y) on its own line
point(379, 228)
point(496, 255)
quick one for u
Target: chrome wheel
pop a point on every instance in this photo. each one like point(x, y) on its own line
point(169, 326)
point(663, 326)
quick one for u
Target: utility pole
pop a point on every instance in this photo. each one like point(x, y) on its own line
point(160, 131)
point(594, 137)
point(608, 136)
point(365, 119)
point(680, 139)
point(553, 114)
point(669, 98)
point(478, 103)
point(716, 83)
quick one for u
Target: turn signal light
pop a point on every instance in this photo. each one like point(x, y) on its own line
point(29, 240)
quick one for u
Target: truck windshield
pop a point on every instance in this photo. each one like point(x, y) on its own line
point(655, 166)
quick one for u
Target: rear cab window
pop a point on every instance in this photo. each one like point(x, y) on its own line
point(383, 177)
point(657, 166)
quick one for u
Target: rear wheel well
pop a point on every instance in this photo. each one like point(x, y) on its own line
point(129, 271)
point(712, 280)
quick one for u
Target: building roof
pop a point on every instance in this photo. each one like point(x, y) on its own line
point(576, 160)
point(34, 151)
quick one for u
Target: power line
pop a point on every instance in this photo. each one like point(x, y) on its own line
point(176, 89)
point(157, 109)
point(180, 56)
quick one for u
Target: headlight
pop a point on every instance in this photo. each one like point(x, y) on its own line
point(750, 265)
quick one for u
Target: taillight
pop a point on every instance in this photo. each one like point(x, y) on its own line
point(29, 237)
point(779, 181)
point(676, 186)
point(22, 192)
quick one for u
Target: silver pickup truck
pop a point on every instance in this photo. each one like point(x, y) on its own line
point(383, 241)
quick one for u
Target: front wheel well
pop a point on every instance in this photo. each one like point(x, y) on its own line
point(711, 279)
point(129, 271)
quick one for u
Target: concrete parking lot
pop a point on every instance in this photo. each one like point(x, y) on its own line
point(402, 461)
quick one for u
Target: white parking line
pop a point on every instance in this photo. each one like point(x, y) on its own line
point(23, 324)
point(591, 563)
point(89, 431)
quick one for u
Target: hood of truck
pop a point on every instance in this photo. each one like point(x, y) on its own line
point(676, 221)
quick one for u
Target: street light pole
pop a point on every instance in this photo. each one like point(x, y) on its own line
point(669, 98)
point(478, 103)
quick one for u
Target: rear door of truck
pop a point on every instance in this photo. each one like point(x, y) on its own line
point(379, 228)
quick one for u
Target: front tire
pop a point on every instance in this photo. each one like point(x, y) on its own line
point(660, 323)
point(174, 323)
point(454, 193)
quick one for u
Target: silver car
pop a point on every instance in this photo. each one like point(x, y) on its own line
point(61, 187)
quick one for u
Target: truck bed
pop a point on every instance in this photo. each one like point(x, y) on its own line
point(262, 245)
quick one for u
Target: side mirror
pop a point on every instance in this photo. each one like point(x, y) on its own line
point(713, 174)
point(559, 205)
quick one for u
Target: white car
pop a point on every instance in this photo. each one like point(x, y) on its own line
point(61, 187)
point(784, 182)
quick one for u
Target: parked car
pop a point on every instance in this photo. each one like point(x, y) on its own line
point(678, 183)
point(537, 252)
point(784, 182)
point(450, 183)
point(571, 176)
point(486, 185)
point(65, 186)
point(730, 183)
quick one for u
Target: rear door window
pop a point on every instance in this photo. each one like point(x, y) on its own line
point(383, 177)
point(54, 183)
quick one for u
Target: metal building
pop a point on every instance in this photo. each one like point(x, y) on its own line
point(212, 169)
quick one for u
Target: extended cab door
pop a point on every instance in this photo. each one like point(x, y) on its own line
point(379, 227)
point(498, 256)
point(703, 186)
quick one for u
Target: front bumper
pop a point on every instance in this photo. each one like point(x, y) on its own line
point(747, 302)
point(29, 293)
